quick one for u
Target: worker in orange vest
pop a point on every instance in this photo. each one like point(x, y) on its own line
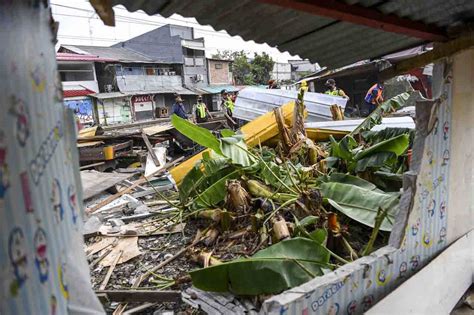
point(374, 96)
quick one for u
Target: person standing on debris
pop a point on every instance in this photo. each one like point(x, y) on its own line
point(201, 112)
point(227, 105)
point(374, 97)
point(333, 90)
point(178, 108)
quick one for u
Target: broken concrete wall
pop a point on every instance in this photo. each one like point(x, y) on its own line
point(43, 269)
point(421, 232)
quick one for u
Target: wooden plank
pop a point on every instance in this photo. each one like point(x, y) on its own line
point(361, 15)
point(132, 296)
point(140, 181)
point(150, 149)
point(91, 165)
point(110, 271)
point(93, 183)
point(150, 131)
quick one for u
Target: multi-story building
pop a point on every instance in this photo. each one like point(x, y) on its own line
point(281, 72)
point(79, 81)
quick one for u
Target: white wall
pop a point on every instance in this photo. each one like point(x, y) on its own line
point(461, 174)
point(76, 85)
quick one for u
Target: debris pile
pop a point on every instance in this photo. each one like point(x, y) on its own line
point(257, 220)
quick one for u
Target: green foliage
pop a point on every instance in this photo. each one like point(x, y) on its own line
point(271, 270)
point(361, 204)
point(245, 71)
point(198, 134)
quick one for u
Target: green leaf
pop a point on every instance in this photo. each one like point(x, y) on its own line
point(190, 182)
point(349, 179)
point(235, 149)
point(197, 134)
point(388, 181)
point(397, 145)
point(277, 268)
point(373, 137)
point(343, 148)
point(374, 161)
point(375, 118)
point(361, 204)
point(227, 133)
point(319, 235)
point(216, 192)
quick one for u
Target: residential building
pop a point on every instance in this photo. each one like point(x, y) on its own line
point(301, 68)
point(220, 78)
point(79, 81)
point(281, 72)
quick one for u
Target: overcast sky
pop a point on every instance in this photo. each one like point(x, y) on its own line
point(78, 24)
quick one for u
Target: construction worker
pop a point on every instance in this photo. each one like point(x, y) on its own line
point(374, 97)
point(201, 113)
point(333, 90)
point(178, 108)
point(227, 105)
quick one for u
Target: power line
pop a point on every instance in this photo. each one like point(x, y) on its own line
point(140, 21)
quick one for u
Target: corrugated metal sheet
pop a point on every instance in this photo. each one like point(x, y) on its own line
point(253, 102)
point(326, 41)
point(351, 124)
point(114, 53)
point(81, 57)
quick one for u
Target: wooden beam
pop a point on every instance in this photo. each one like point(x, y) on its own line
point(150, 149)
point(360, 15)
point(439, 51)
point(132, 296)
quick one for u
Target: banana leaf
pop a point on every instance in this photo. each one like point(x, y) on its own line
point(348, 179)
point(197, 134)
point(361, 204)
point(374, 161)
point(190, 182)
point(277, 268)
point(373, 137)
point(397, 145)
point(343, 148)
point(388, 181)
point(227, 133)
point(375, 118)
point(235, 149)
point(216, 192)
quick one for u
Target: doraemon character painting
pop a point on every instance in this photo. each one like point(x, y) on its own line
point(56, 200)
point(403, 269)
point(18, 259)
point(73, 203)
point(41, 255)
point(22, 126)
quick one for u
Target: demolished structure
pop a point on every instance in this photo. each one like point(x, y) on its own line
point(275, 211)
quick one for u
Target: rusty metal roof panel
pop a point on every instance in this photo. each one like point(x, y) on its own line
point(327, 41)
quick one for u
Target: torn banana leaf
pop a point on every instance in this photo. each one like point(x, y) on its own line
point(277, 268)
point(198, 134)
point(215, 193)
point(361, 204)
point(235, 149)
point(348, 179)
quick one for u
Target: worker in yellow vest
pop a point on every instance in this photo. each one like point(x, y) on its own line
point(227, 106)
point(201, 113)
point(333, 90)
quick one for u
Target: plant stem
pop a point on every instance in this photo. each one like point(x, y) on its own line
point(276, 210)
point(381, 214)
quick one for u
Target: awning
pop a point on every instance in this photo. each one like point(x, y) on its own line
point(77, 93)
point(216, 89)
point(110, 95)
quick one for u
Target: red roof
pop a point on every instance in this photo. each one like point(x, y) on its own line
point(77, 57)
point(76, 93)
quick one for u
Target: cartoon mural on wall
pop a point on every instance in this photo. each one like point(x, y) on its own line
point(82, 109)
point(37, 183)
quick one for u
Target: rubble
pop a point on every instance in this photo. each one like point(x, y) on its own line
point(260, 220)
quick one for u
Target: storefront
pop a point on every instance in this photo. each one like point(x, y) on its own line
point(143, 107)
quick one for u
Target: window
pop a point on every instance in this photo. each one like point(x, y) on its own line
point(150, 71)
point(218, 65)
point(199, 62)
point(188, 61)
point(76, 72)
